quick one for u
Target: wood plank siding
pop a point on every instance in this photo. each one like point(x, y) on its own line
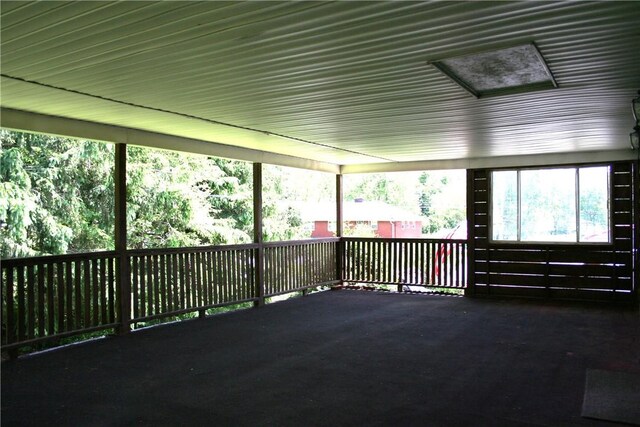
point(565, 271)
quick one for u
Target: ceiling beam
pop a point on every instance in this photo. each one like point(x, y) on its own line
point(549, 159)
point(39, 123)
point(53, 125)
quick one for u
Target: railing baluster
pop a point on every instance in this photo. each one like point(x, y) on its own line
point(31, 284)
point(224, 275)
point(186, 281)
point(86, 288)
point(291, 268)
point(282, 262)
point(77, 292)
point(268, 270)
point(212, 276)
point(51, 313)
point(22, 314)
point(68, 279)
point(143, 286)
point(162, 273)
point(61, 296)
point(111, 285)
point(170, 280)
point(103, 292)
point(156, 285)
point(95, 292)
point(175, 281)
point(198, 263)
point(292, 271)
point(240, 265)
point(346, 260)
point(9, 298)
point(135, 273)
point(206, 282)
point(40, 315)
point(151, 285)
point(234, 275)
point(181, 281)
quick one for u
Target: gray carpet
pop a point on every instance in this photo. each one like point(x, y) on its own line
point(342, 358)
point(612, 396)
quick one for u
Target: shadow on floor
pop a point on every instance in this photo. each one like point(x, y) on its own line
point(335, 358)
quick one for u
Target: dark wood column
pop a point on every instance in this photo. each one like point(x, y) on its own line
point(470, 289)
point(123, 282)
point(257, 232)
point(339, 227)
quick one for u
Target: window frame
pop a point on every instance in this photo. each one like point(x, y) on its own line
point(576, 167)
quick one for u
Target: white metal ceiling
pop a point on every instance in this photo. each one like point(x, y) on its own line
point(344, 82)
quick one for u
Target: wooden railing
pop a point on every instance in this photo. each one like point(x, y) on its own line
point(45, 298)
point(168, 282)
point(296, 265)
point(51, 297)
point(406, 262)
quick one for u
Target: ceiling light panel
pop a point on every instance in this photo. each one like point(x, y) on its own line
point(515, 69)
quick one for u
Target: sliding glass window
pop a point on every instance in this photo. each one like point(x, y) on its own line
point(551, 205)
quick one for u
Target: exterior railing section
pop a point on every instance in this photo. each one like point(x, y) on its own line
point(297, 265)
point(406, 262)
point(51, 297)
point(48, 298)
point(166, 282)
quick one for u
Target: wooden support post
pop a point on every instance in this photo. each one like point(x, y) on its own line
point(635, 212)
point(339, 229)
point(470, 285)
point(123, 282)
point(257, 233)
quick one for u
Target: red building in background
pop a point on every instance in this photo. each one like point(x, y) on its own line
point(375, 217)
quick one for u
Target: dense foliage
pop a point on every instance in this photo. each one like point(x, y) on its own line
point(178, 200)
point(57, 196)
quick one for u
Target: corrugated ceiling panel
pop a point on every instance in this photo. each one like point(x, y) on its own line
point(349, 75)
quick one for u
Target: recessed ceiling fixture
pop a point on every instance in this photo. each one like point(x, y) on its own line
point(634, 137)
point(499, 72)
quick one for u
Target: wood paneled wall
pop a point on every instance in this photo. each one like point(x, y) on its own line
point(563, 271)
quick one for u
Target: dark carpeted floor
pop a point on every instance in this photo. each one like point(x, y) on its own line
point(335, 358)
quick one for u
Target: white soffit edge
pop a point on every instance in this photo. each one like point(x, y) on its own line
point(40, 123)
point(495, 162)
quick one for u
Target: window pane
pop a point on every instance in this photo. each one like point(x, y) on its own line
point(548, 209)
point(594, 204)
point(504, 205)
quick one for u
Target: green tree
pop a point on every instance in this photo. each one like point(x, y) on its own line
point(176, 200)
point(280, 204)
point(395, 189)
point(56, 195)
point(434, 186)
